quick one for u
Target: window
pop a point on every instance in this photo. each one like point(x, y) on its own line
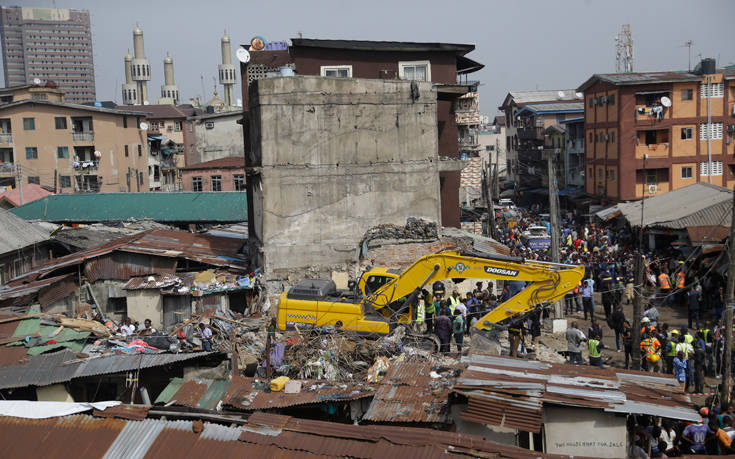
point(686, 172)
point(60, 122)
point(31, 153)
point(416, 70)
point(216, 183)
point(687, 94)
point(340, 71)
point(62, 152)
point(140, 150)
point(592, 138)
point(611, 175)
point(612, 136)
point(140, 178)
point(177, 126)
point(125, 121)
point(651, 177)
point(717, 90)
point(714, 130)
point(29, 124)
point(154, 125)
point(716, 168)
point(34, 180)
point(196, 184)
point(65, 181)
point(592, 102)
point(599, 173)
point(650, 137)
point(127, 151)
point(611, 99)
point(239, 182)
point(686, 133)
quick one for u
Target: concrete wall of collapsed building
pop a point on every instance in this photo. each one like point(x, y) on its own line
point(337, 156)
point(146, 304)
point(584, 432)
point(215, 137)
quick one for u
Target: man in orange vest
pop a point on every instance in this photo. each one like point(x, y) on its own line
point(664, 285)
point(681, 291)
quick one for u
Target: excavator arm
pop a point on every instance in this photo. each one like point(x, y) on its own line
point(546, 282)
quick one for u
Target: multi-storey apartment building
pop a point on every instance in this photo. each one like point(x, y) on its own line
point(72, 148)
point(658, 131)
point(444, 64)
point(527, 116)
point(48, 44)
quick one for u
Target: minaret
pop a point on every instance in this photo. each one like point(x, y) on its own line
point(129, 89)
point(169, 88)
point(141, 68)
point(227, 71)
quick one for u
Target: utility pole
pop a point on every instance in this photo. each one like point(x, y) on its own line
point(56, 180)
point(490, 206)
point(729, 299)
point(638, 287)
point(496, 182)
point(20, 183)
point(554, 217)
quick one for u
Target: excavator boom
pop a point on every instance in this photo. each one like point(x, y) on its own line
point(546, 282)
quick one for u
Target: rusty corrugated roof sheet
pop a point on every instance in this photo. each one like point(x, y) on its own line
point(151, 282)
point(73, 437)
point(510, 392)
point(409, 394)
point(241, 393)
point(321, 435)
point(167, 244)
point(132, 412)
point(25, 290)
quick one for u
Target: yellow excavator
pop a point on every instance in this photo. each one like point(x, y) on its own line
point(383, 298)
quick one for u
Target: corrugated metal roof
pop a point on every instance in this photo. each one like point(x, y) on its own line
point(527, 97)
point(23, 290)
point(224, 207)
point(409, 394)
point(164, 246)
point(240, 393)
point(151, 282)
point(505, 391)
point(73, 437)
point(18, 233)
point(700, 204)
point(46, 369)
point(135, 439)
point(623, 79)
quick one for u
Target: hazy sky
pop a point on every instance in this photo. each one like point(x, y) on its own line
point(524, 44)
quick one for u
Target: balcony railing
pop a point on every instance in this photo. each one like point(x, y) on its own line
point(7, 168)
point(531, 133)
point(85, 167)
point(6, 138)
point(87, 136)
point(168, 163)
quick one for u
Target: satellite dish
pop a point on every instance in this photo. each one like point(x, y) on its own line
point(36, 81)
point(97, 154)
point(242, 55)
point(665, 101)
point(579, 95)
point(143, 126)
point(560, 94)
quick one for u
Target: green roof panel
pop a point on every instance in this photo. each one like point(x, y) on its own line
point(222, 207)
point(169, 391)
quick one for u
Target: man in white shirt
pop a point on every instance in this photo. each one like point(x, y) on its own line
point(206, 334)
point(127, 328)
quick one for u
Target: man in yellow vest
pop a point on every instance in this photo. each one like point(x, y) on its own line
point(454, 300)
point(593, 346)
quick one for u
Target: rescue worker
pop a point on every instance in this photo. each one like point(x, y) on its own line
point(681, 292)
point(593, 347)
point(688, 350)
point(454, 300)
point(651, 348)
point(606, 280)
point(664, 286)
point(670, 351)
point(429, 311)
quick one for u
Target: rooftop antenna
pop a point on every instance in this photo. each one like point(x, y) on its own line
point(688, 44)
point(201, 81)
point(624, 56)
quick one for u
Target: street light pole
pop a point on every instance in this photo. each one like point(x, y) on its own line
point(639, 279)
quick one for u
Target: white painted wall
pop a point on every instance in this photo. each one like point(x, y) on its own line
point(584, 432)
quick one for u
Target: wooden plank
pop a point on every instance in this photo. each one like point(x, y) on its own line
point(20, 338)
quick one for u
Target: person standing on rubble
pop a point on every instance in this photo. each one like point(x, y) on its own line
point(429, 310)
point(575, 337)
point(458, 329)
point(443, 327)
point(206, 335)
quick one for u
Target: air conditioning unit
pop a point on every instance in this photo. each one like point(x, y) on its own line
point(652, 189)
point(209, 125)
point(731, 128)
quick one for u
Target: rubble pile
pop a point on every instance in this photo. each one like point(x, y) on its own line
point(415, 228)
